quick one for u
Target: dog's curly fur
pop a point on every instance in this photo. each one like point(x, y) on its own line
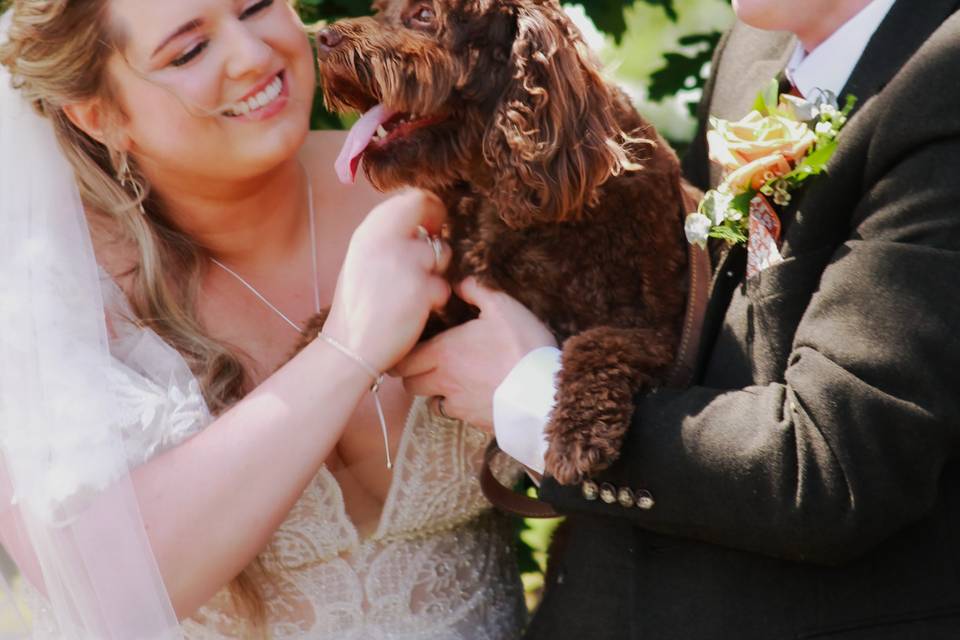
point(560, 193)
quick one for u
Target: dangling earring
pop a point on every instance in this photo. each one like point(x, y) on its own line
point(128, 182)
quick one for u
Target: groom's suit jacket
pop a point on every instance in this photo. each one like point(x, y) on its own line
point(808, 486)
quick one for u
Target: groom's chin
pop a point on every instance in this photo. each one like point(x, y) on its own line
point(770, 15)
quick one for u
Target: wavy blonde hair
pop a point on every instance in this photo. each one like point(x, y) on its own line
point(57, 54)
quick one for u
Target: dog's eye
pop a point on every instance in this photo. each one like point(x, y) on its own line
point(423, 17)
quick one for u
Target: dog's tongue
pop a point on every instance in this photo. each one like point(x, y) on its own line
point(357, 140)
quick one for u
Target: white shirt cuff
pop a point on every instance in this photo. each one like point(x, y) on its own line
point(522, 405)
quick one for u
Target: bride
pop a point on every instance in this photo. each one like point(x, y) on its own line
point(167, 226)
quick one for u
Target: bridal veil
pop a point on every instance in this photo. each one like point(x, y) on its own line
point(65, 484)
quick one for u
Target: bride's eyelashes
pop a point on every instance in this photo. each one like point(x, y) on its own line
point(255, 8)
point(198, 48)
point(192, 53)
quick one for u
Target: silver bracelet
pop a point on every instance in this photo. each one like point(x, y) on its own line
point(374, 388)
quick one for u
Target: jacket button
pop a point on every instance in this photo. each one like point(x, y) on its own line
point(625, 498)
point(590, 490)
point(645, 500)
point(608, 493)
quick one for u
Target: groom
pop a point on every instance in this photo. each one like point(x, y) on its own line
point(808, 485)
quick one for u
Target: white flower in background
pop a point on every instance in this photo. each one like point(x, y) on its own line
point(697, 228)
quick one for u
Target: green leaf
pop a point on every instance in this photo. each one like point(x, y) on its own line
point(316, 10)
point(525, 560)
point(607, 15)
point(814, 164)
point(729, 234)
point(769, 99)
point(850, 104)
point(668, 8)
point(741, 203)
point(684, 71)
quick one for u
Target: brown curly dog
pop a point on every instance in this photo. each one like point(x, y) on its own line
point(560, 194)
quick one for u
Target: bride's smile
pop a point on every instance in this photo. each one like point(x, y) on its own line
point(263, 101)
point(212, 88)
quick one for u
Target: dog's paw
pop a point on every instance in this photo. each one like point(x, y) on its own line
point(602, 371)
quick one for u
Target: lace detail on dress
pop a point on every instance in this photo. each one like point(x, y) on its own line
point(441, 564)
point(155, 416)
point(160, 402)
point(436, 484)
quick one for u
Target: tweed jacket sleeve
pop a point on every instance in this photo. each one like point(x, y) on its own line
point(851, 347)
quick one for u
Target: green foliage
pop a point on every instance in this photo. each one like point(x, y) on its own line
point(769, 99)
point(684, 70)
point(326, 10)
point(608, 16)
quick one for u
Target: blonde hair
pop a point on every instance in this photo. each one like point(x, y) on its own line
point(57, 54)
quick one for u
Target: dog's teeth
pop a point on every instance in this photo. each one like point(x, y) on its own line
point(381, 131)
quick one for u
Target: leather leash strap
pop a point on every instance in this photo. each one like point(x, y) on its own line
point(505, 498)
point(680, 375)
point(698, 294)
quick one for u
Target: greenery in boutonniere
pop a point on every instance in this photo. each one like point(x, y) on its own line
point(781, 143)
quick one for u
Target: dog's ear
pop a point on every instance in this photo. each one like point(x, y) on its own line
point(554, 138)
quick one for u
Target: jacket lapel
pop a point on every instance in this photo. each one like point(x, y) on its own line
point(906, 27)
point(755, 57)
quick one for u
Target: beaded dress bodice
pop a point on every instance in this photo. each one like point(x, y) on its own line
point(440, 564)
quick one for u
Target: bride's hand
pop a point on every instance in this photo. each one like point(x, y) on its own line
point(390, 280)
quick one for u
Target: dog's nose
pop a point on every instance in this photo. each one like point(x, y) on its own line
point(328, 38)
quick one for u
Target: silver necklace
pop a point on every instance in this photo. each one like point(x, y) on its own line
point(378, 378)
point(316, 275)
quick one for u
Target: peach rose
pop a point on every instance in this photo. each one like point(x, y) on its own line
point(757, 173)
point(757, 148)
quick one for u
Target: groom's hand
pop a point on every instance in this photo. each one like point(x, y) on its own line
point(466, 364)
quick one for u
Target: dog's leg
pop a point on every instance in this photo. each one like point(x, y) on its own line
point(603, 369)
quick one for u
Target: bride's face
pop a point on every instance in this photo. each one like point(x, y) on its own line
point(212, 88)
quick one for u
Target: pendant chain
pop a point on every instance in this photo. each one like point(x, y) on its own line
point(316, 273)
point(378, 378)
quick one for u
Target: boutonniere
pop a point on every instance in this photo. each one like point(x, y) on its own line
point(766, 156)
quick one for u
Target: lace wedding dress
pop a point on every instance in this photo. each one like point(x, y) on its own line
point(439, 566)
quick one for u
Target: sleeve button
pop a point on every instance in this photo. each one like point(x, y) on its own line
point(645, 500)
point(590, 490)
point(625, 498)
point(608, 493)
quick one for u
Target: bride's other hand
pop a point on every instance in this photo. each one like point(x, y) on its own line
point(466, 364)
point(391, 279)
